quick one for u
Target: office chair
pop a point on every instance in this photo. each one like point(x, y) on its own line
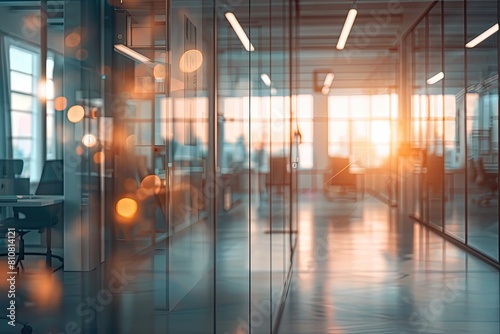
point(27, 329)
point(39, 218)
point(485, 180)
point(279, 174)
point(434, 176)
point(11, 168)
point(337, 175)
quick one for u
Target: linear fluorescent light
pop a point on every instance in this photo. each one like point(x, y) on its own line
point(482, 37)
point(328, 80)
point(325, 90)
point(349, 21)
point(266, 79)
point(239, 31)
point(134, 55)
point(438, 77)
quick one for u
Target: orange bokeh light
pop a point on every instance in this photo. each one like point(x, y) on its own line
point(99, 157)
point(79, 150)
point(159, 72)
point(191, 61)
point(60, 103)
point(46, 289)
point(73, 40)
point(126, 207)
point(152, 184)
point(81, 54)
point(75, 114)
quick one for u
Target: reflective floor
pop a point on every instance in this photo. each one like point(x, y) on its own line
point(362, 269)
point(359, 268)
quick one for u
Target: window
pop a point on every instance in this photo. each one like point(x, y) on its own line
point(26, 122)
point(23, 107)
point(305, 123)
point(269, 119)
point(362, 127)
point(51, 120)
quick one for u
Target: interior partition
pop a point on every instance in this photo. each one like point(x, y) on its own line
point(451, 79)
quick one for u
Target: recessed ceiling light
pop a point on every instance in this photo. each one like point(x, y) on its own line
point(438, 77)
point(239, 31)
point(482, 37)
point(346, 30)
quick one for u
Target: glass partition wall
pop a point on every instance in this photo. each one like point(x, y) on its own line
point(452, 78)
point(254, 234)
point(179, 143)
point(204, 146)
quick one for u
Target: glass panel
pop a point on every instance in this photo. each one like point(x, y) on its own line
point(482, 126)
point(339, 149)
point(339, 131)
point(51, 147)
point(21, 60)
point(306, 130)
point(418, 114)
point(21, 82)
point(242, 130)
point(21, 102)
point(338, 106)
point(306, 155)
point(434, 89)
point(50, 68)
point(22, 149)
point(50, 89)
point(50, 108)
point(454, 114)
point(22, 124)
point(360, 106)
point(193, 186)
point(381, 106)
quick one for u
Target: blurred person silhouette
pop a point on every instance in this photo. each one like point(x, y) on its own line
point(239, 154)
point(260, 158)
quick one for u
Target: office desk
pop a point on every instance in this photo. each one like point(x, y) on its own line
point(11, 186)
point(29, 201)
point(36, 201)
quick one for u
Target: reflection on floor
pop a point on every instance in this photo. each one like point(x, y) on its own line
point(359, 269)
point(135, 295)
point(362, 269)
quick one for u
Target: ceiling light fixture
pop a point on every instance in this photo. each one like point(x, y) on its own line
point(327, 84)
point(438, 77)
point(134, 55)
point(266, 79)
point(482, 37)
point(239, 31)
point(346, 30)
point(328, 80)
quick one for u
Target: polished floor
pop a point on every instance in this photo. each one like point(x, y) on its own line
point(362, 268)
point(359, 268)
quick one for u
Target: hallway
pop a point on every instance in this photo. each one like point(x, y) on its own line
point(360, 268)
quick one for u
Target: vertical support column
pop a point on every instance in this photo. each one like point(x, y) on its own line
point(43, 70)
point(72, 161)
point(498, 108)
point(320, 103)
point(82, 233)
